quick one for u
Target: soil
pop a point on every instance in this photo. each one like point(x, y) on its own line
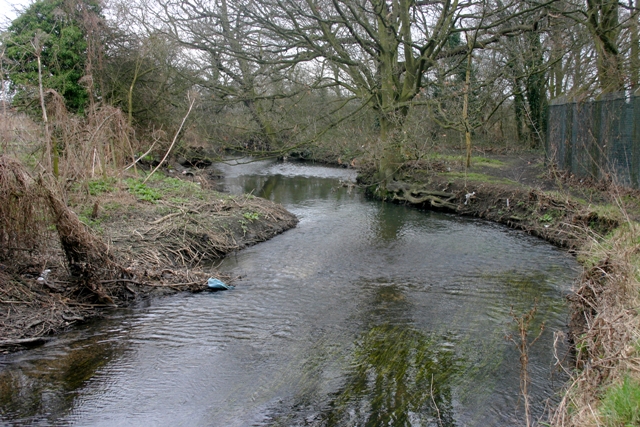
point(158, 247)
point(518, 190)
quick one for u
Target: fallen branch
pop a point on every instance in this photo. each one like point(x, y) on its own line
point(141, 157)
point(24, 341)
point(121, 280)
point(171, 285)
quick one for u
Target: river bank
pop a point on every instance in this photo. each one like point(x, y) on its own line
point(164, 236)
point(366, 313)
point(596, 221)
point(167, 222)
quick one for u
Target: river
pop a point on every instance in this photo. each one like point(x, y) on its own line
point(366, 314)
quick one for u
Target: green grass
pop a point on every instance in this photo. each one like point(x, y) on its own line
point(546, 218)
point(101, 185)
point(142, 191)
point(475, 160)
point(251, 216)
point(550, 216)
point(94, 224)
point(174, 187)
point(478, 177)
point(161, 187)
point(621, 404)
point(625, 236)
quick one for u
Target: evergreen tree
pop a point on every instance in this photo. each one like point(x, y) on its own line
point(53, 30)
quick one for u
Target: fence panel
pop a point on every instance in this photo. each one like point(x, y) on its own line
point(597, 138)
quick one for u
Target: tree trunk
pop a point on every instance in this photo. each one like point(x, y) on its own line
point(266, 129)
point(536, 91)
point(392, 159)
point(47, 133)
point(634, 71)
point(465, 110)
point(603, 23)
point(519, 112)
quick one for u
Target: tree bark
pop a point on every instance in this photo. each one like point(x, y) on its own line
point(603, 23)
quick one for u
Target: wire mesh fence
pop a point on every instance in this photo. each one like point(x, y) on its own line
point(597, 139)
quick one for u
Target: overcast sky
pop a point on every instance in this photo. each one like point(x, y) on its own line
point(7, 13)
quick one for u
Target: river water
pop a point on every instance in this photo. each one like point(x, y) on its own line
point(366, 314)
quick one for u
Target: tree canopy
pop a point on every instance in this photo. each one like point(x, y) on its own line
point(52, 30)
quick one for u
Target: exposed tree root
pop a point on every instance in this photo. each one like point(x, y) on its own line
point(418, 195)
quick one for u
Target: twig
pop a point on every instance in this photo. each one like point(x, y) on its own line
point(25, 341)
point(166, 217)
point(170, 285)
point(435, 405)
point(141, 157)
point(121, 280)
point(175, 138)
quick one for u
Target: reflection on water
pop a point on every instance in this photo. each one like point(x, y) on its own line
point(398, 377)
point(366, 314)
point(41, 385)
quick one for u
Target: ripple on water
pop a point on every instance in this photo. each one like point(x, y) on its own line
point(363, 304)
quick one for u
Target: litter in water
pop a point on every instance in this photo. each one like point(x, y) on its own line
point(217, 284)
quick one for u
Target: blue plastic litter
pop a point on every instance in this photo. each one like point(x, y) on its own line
point(217, 285)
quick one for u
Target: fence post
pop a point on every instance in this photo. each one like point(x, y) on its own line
point(594, 143)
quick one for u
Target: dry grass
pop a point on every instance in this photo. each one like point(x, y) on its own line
point(19, 135)
point(98, 144)
point(607, 306)
point(23, 213)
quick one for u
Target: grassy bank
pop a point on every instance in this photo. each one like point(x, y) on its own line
point(599, 223)
point(69, 254)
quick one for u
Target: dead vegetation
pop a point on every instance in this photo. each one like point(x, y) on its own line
point(197, 232)
point(55, 270)
point(30, 209)
point(21, 211)
point(605, 324)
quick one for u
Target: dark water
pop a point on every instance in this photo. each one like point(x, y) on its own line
point(366, 314)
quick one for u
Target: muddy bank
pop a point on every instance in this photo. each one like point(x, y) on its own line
point(160, 246)
point(552, 217)
point(517, 191)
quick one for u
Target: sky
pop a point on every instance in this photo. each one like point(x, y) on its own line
point(7, 13)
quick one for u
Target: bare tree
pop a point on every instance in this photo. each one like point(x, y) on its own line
point(262, 58)
point(384, 51)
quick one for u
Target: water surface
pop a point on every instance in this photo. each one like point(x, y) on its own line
point(366, 314)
